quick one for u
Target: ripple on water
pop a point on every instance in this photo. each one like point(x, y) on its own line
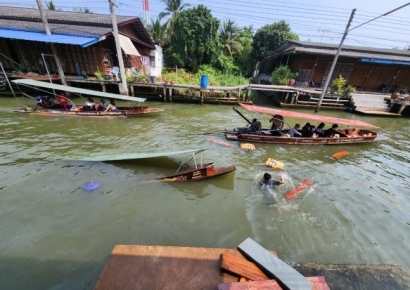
point(356, 211)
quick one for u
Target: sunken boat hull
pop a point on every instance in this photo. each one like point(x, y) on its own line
point(205, 171)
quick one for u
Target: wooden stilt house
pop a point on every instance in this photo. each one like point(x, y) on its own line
point(367, 69)
point(84, 42)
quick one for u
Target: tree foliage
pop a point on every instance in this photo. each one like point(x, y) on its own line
point(243, 60)
point(50, 5)
point(158, 31)
point(229, 38)
point(267, 38)
point(172, 9)
point(194, 41)
point(82, 10)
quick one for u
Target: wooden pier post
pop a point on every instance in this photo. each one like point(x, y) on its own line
point(170, 94)
point(202, 97)
point(132, 90)
point(104, 88)
point(164, 93)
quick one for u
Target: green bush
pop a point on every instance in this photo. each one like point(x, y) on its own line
point(339, 86)
point(216, 77)
point(281, 75)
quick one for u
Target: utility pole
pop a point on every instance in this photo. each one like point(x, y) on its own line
point(341, 43)
point(124, 87)
point(53, 48)
point(334, 62)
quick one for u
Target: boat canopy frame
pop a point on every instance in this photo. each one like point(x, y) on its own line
point(45, 85)
point(193, 157)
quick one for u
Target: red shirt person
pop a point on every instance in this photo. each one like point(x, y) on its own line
point(63, 101)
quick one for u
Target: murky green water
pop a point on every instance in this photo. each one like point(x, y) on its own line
point(55, 235)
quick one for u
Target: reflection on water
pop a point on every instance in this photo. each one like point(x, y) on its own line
point(356, 211)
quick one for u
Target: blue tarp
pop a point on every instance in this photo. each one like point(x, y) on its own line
point(43, 37)
point(384, 61)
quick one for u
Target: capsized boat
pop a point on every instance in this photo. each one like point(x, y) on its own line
point(197, 171)
point(185, 172)
point(49, 106)
point(347, 136)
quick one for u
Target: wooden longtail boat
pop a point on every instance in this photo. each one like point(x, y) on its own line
point(48, 106)
point(198, 171)
point(184, 173)
point(347, 136)
point(203, 171)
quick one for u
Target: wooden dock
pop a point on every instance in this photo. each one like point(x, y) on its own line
point(283, 96)
point(373, 104)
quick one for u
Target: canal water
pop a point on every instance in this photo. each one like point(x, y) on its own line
point(56, 235)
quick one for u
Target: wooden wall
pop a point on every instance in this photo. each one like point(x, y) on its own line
point(366, 77)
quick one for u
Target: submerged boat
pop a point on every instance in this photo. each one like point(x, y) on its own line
point(185, 172)
point(197, 171)
point(352, 135)
point(48, 103)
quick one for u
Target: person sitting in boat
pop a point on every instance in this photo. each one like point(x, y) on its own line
point(320, 131)
point(256, 125)
point(294, 132)
point(277, 124)
point(102, 105)
point(112, 107)
point(310, 133)
point(89, 105)
point(332, 132)
point(268, 182)
point(44, 101)
point(63, 101)
point(306, 129)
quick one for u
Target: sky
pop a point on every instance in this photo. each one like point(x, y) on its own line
point(313, 20)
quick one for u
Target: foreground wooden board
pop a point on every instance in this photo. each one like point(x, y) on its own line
point(242, 267)
point(160, 267)
point(319, 283)
point(288, 277)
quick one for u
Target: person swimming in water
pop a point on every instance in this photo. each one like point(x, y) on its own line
point(267, 181)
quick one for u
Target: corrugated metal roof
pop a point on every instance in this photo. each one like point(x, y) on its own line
point(73, 23)
point(17, 13)
point(43, 37)
point(359, 49)
point(352, 54)
point(92, 31)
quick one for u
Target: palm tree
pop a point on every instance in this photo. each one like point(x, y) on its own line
point(229, 37)
point(172, 8)
point(158, 31)
point(50, 5)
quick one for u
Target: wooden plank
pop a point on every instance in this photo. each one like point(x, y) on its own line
point(315, 103)
point(242, 267)
point(340, 154)
point(251, 285)
point(275, 268)
point(298, 189)
point(220, 142)
point(325, 100)
point(319, 283)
